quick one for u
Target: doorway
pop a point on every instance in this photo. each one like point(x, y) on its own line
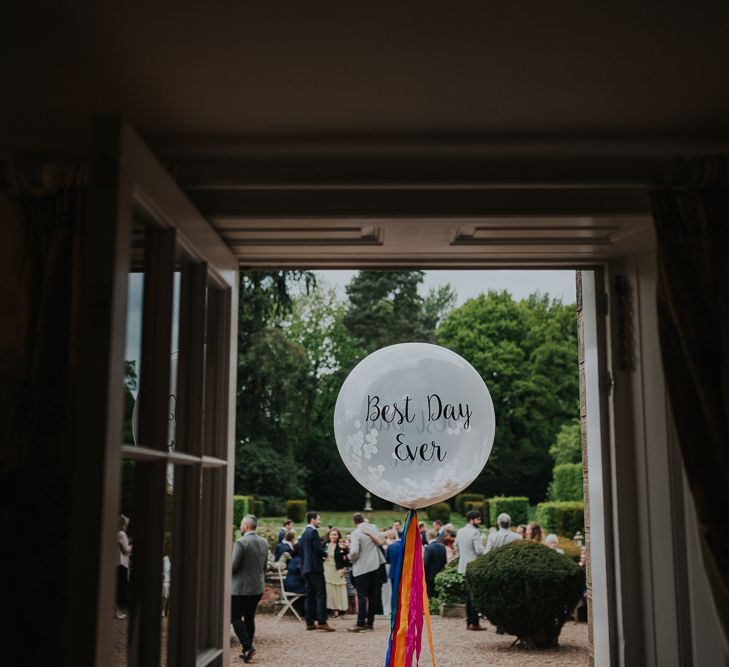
point(632, 470)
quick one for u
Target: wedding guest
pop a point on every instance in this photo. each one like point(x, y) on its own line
point(334, 571)
point(449, 543)
point(351, 591)
point(122, 569)
point(534, 532)
point(313, 555)
point(248, 564)
point(366, 558)
point(521, 529)
point(285, 546)
point(392, 557)
point(288, 526)
point(397, 527)
point(435, 559)
point(504, 535)
point(166, 577)
point(438, 528)
point(470, 547)
point(423, 533)
point(552, 541)
point(294, 581)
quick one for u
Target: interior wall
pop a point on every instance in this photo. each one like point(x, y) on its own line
point(709, 647)
point(666, 614)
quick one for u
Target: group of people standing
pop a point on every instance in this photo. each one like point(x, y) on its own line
point(332, 571)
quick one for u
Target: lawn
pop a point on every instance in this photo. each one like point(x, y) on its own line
point(381, 518)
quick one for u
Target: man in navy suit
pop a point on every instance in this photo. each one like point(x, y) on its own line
point(288, 526)
point(434, 560)
point(313, 555)
point(392, 558)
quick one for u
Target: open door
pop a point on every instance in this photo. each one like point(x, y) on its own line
point(168, 445)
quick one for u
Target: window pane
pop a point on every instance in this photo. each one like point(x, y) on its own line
point(138, 571)
point(133, 347)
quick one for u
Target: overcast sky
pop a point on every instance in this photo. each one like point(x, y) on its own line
point(560, 284)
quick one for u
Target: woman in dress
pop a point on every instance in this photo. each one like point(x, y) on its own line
point(334, 571)
point(122, 568)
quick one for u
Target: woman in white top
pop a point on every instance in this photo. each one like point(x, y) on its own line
point(122, 568)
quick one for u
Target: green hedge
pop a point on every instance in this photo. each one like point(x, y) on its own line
point(272, 506)
point(527, 589)
point(463, 498)
point(258, 507)
point(450, 587)
point(296, 510)
point(241, 507)
point(517, 507)
point(482, 507)
point(441, 511)
point(562, 518)
point(566, 482)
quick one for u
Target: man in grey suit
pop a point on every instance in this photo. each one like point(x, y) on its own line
point(470, 547)
point(250, 556)
point(504, 535)
point(366, 556)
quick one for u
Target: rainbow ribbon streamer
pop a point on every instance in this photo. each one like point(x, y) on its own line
point(410, 601)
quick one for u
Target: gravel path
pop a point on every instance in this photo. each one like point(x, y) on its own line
point(288, 643)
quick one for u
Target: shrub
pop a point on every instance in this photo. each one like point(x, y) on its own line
point(527, 589)
point(269, 532)
point(563, 518)
point(566, 482)
point(241, 507)
point(258, 507)
point(296, 510)
point(272, 506)
point(570, 547)
point(517, 507)
point(450, 587)
point(470, 505)
point(441, 511)
point(463, 498)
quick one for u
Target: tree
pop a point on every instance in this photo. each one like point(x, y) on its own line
point(567, 447)
point(527, 354)
point(385, 308)
point(272, 386)
point(316, 323)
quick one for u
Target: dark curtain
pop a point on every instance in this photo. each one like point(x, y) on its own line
point(692, 227)
point(39, 360)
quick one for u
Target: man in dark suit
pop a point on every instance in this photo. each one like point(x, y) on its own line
point(313, 555)
point(434, 560)
point(288, 526)
point(392, 558)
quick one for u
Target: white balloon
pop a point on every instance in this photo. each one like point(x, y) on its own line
point(414, 423)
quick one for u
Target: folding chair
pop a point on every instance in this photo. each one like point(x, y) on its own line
point(287, 598)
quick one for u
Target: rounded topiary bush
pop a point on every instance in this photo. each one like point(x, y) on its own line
point(296, 510)
point(527, 589)
point(450, 587)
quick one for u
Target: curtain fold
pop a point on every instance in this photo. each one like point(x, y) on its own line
point(40, 351)
point(692, 231)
